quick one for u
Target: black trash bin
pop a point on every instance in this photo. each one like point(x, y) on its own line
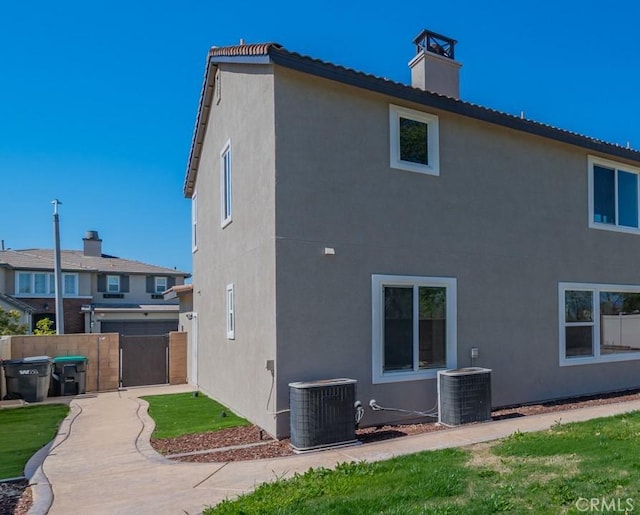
point(69, 376)
point(27, 378)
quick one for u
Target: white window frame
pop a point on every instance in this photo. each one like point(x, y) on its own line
point(378, 282)
point(592, 160)
point(108, 286)
point(226, 185)
point(158, 287)
point(433, 140)
point(231, 312)
point(194, 222)
point(49, 284)
point(595, 289)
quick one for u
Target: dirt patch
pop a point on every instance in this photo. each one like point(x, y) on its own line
point(250, 443)
point(482, 456)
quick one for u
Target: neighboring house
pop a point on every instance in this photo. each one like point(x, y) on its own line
point(101, 293)
point(348, 226)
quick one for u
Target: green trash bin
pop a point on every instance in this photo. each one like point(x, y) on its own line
point(27, 378)
point(69, 376)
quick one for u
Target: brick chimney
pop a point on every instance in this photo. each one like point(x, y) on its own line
point(434, 68)
point(92, 244)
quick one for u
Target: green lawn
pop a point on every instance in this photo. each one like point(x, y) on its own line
point(562, 470)
point(23, 432)
point(182, 414)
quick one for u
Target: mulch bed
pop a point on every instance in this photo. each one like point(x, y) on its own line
point(15, 498)
point(267, 447)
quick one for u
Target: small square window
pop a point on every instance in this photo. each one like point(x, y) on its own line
point(414, 140)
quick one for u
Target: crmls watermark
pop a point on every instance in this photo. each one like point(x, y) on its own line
point(605, 505)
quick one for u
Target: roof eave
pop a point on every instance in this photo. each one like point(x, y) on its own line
point(376, 84)
point(240, 54)
point(274, 53)
point(200, 129)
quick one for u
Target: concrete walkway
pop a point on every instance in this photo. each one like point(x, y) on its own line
point(101, 461)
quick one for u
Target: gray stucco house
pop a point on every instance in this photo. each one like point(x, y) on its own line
point(348, 226)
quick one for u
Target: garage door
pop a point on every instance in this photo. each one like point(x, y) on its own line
point(139, 328)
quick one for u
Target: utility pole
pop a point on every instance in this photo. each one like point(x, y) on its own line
point(58, 269)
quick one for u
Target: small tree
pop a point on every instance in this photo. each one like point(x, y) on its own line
point(43, 327)
point(10, 323)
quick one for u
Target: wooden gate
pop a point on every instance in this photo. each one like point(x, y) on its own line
point(144, 360)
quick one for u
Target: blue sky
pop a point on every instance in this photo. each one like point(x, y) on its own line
point(98, 99)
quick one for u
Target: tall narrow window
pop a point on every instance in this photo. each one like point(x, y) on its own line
point(231, 314)
point(24, 283)
point(225, 184)
point(70, 284)
point(40, 284)
point(579, 324)
point(194, 222)
point(160, 284)
point(113, 283)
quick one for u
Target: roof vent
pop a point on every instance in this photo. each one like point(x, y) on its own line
point(434, 68)
point(92, 244)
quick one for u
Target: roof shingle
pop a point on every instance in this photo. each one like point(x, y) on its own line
point(76, 261)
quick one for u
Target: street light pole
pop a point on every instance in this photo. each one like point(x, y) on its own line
point(58, 269)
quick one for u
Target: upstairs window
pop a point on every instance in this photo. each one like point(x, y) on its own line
point(113, 284)
point(160, 284)
point(70, 284)
point(225, 184)
point(414, 140)
point(43, 284)
point(194, 222)
point(613, 196)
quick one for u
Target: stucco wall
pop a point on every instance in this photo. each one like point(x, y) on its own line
point(507, 217)
point(243, 253)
